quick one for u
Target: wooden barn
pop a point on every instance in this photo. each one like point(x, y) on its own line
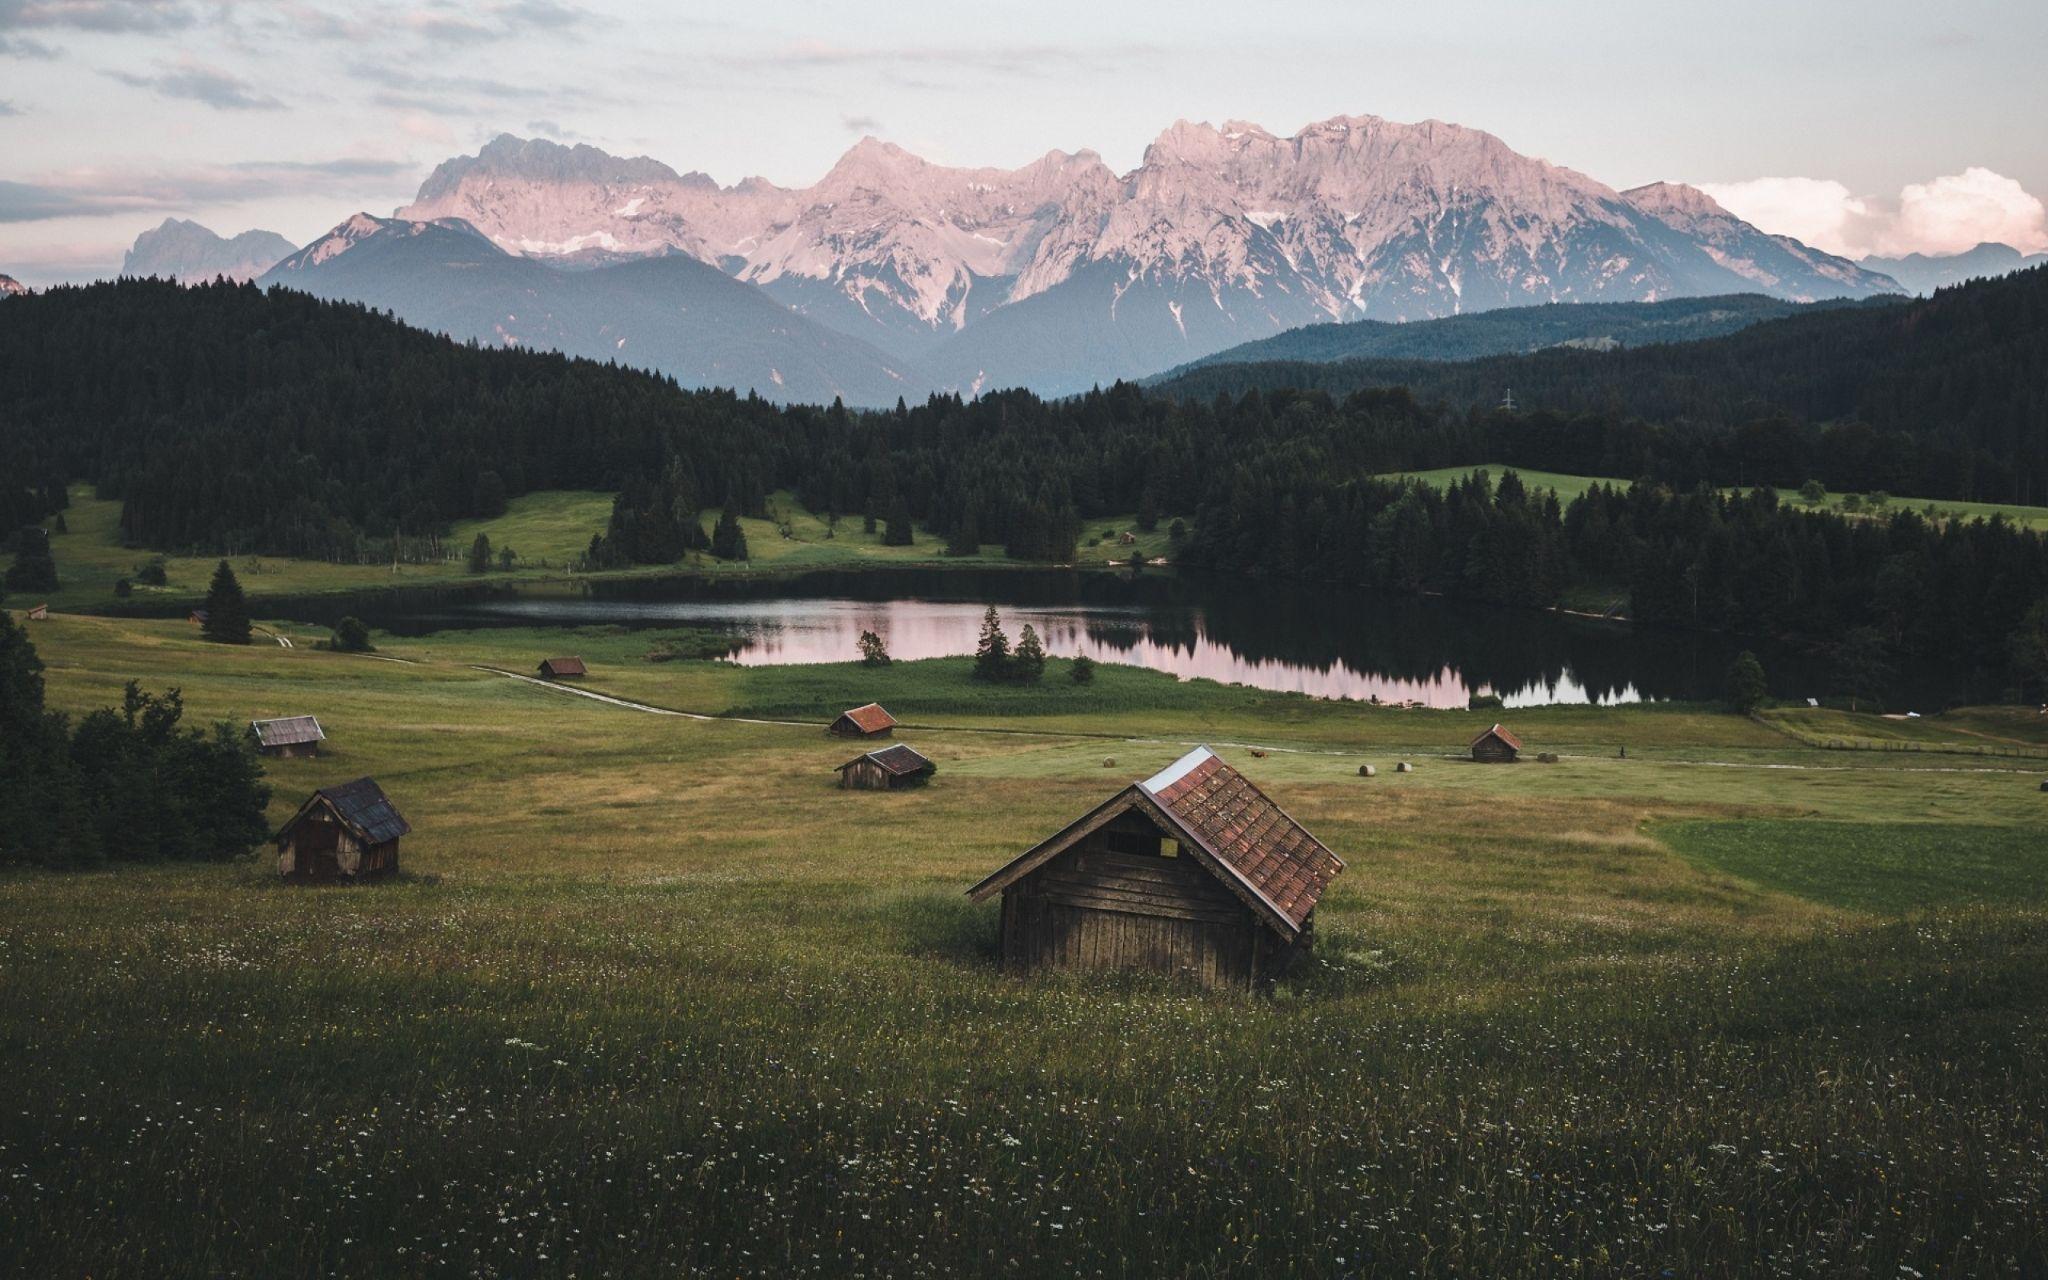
point(890, 769)
point(869, 721)
point(38, 613)
point(1496, 746)
point(1193, 871)
point(349, 832)
point(563, 669)
point(288, 736)
point(197, 617)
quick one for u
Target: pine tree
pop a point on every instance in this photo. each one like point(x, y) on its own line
point(1083, 670)
point(480, 554)
point(227, 609)
point(897, 532)
point(34, 569)
point(351, 636)
point(1027, 665)
point(992, 654)
point(728, 540)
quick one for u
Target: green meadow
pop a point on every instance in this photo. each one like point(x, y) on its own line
point(650, 996)
point(548, 531)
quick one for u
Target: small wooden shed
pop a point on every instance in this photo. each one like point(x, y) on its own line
point(349, 832)
point(869, 721)
point(1496, 746)
point(1194, 872)
point(288, 736)
point(197, 617)
point(38, 612)
point(890, 769)
point(563, 669)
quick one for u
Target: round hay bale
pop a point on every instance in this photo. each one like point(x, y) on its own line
point(1109, 762)
point(1546, 757)
point(2044, 785)
point(1367, 771)
point(1404, 767)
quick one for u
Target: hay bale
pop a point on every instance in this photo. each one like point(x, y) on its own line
point(1404, 767)
point(1109, 762)
point(1367, 771)
point(2044, 785)
point(1258, 754)
point(1546, 757)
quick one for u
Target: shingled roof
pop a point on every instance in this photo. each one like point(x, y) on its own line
point(362, 807)
point(1498, 732)
point(899, 761)
point(287, 731)
point(870, 718)
point(1265, 857)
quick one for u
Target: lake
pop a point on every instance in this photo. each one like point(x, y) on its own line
point(1325, 641)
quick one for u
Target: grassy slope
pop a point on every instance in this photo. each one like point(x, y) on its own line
point(1569, 487)
point(548, 530)
point(653, 997)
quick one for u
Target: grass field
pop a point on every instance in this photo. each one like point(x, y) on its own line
point(1569, 487)
point(652, 997)
point(547, 530)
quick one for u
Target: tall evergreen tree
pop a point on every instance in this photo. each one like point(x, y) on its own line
point(480, 554)
point(1747, 688)
point(728, 539)
point(34, 568)
point(992, 653)
point(1027, 665)
point(227, 609)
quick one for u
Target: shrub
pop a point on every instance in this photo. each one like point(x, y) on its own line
point(874, 652)
point(1083, 670)
point(351, 636)
point(1746, 686)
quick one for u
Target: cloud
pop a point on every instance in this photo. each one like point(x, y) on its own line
point(147, 16)
point(445, 23)
point(23, 47)
point(200, 83)
point(1015, 61)
point(1943, 215)
point(99, 192)
point(427, 128)
point(861, 124)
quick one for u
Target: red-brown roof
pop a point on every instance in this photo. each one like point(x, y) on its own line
point(1498, 732)
point(899, 760)
point(1267, 858)
point(870, 718)
point(566, 666)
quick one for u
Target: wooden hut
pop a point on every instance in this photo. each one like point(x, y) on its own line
point(890, 769)
point(349, 832)
point(38, 613)
point(1193, 871)
point(197, 617)
point(563, 669)
point(869, 721)
point(1496, 746)
point(288, 736)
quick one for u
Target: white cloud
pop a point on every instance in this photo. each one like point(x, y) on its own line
point(1942, 215)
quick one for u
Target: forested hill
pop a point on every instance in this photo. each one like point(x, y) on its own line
point(1599, 326)
point(228, 419)
point(1966, 369)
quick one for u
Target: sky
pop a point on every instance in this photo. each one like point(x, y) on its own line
point(1875, 127)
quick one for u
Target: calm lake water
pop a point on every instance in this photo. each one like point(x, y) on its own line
point(1322, 641)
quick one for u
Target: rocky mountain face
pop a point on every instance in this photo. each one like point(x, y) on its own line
point(187, 252)
point(9, 287)
point(667, 311)
point(1923, 274)
point(1063, 273)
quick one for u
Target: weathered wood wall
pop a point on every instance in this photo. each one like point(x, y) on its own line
point(864, 775)
point(1093, 907)
point(1493, 751)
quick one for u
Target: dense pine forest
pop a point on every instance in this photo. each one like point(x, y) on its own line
point(229, 419)
point(1944, 397)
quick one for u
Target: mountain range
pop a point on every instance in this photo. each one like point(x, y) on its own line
point(187, 252)
point(10, 287)
point(1922, 273)
point(1063, 273)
